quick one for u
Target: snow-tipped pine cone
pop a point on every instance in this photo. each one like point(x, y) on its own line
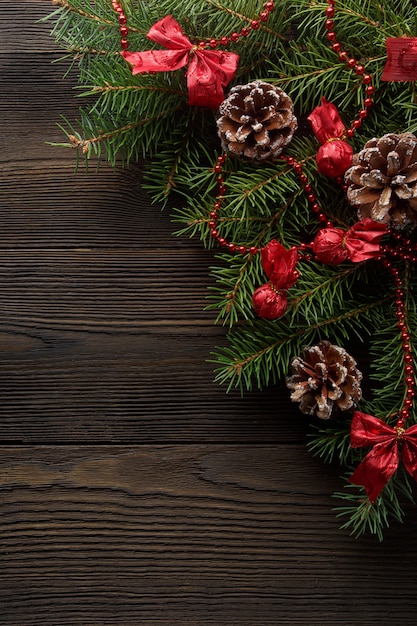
point(382, 181)
point(324, 380)
point(256, 121)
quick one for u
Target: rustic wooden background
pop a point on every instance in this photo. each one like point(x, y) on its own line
point(133, 489)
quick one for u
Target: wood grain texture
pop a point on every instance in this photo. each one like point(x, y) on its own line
point(187, 535)
point(134, 490)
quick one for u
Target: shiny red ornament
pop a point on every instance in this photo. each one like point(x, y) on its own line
point(329, 246)
point(334, 156)
point(401, 65)
point(382, 461)
point(359, 243)
point(270, 300)
point(209, 71)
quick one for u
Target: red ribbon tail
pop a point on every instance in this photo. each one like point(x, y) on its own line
point(377, 468)
point(156, 60)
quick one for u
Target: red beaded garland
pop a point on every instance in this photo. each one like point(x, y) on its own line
point(212, 42)
point(353, 64)
point(221, 191)
point(124, 44)
point(409, 372)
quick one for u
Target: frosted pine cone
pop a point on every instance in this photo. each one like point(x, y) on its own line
point(256, 121)
point(324, 380)
point(382, 181)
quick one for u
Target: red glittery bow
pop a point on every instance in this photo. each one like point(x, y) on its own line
point(334, 155)
point(270, 300)
point(382, 461)
point(401, 65)
point(359, 243)
point(208, 71)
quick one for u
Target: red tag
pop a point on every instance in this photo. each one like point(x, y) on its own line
point(401, 65)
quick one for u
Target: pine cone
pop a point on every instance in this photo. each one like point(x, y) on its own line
point(324, 380)
point(256, 121)
point(382, 181)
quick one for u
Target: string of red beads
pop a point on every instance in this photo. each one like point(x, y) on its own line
point(218, 205)
point(121, 16)
point(353, 64)
point(409, 372)
point(210, 43)
point(235, 36)
point(221, 197)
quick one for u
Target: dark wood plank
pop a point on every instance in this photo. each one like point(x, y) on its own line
point(35, 99)
point(46, 204)
point(102, 289)
point(20, 27)
point(189, 535)
point(151, 383)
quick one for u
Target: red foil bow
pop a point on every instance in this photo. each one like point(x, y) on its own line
point(389, 444)
point(270, 300)
point(359, 243)
point(208, 71)
point(401, 65)
point(334, 155)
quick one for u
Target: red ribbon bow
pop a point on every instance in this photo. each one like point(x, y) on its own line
point(382, 461)
point(208, 71)
point(401, 65)
point(270, 300)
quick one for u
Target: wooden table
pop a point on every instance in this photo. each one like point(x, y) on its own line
point(134, 490)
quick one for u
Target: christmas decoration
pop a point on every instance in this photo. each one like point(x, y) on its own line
point(256, 121)
point(270, 300)
point(401, 63)
point(359, 243)
point(380, 464)
point(334, 155)
point(325, 380)
point(382, 181)
point(208, 72)
point(297, 163)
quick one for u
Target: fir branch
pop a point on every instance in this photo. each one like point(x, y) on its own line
point(64, 4)
point(87, 144)
point(182, 150)
point(91, 16)
point(100, 89)
point(79, 52)
point(245, 18)
point(245, 360)
point(363, 516)
point(331, 443)
point(322, 287)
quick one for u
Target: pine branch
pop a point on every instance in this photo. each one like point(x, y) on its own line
point(262, 352)
point(363, 516)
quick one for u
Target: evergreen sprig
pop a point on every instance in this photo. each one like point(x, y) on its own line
point(127, 118)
